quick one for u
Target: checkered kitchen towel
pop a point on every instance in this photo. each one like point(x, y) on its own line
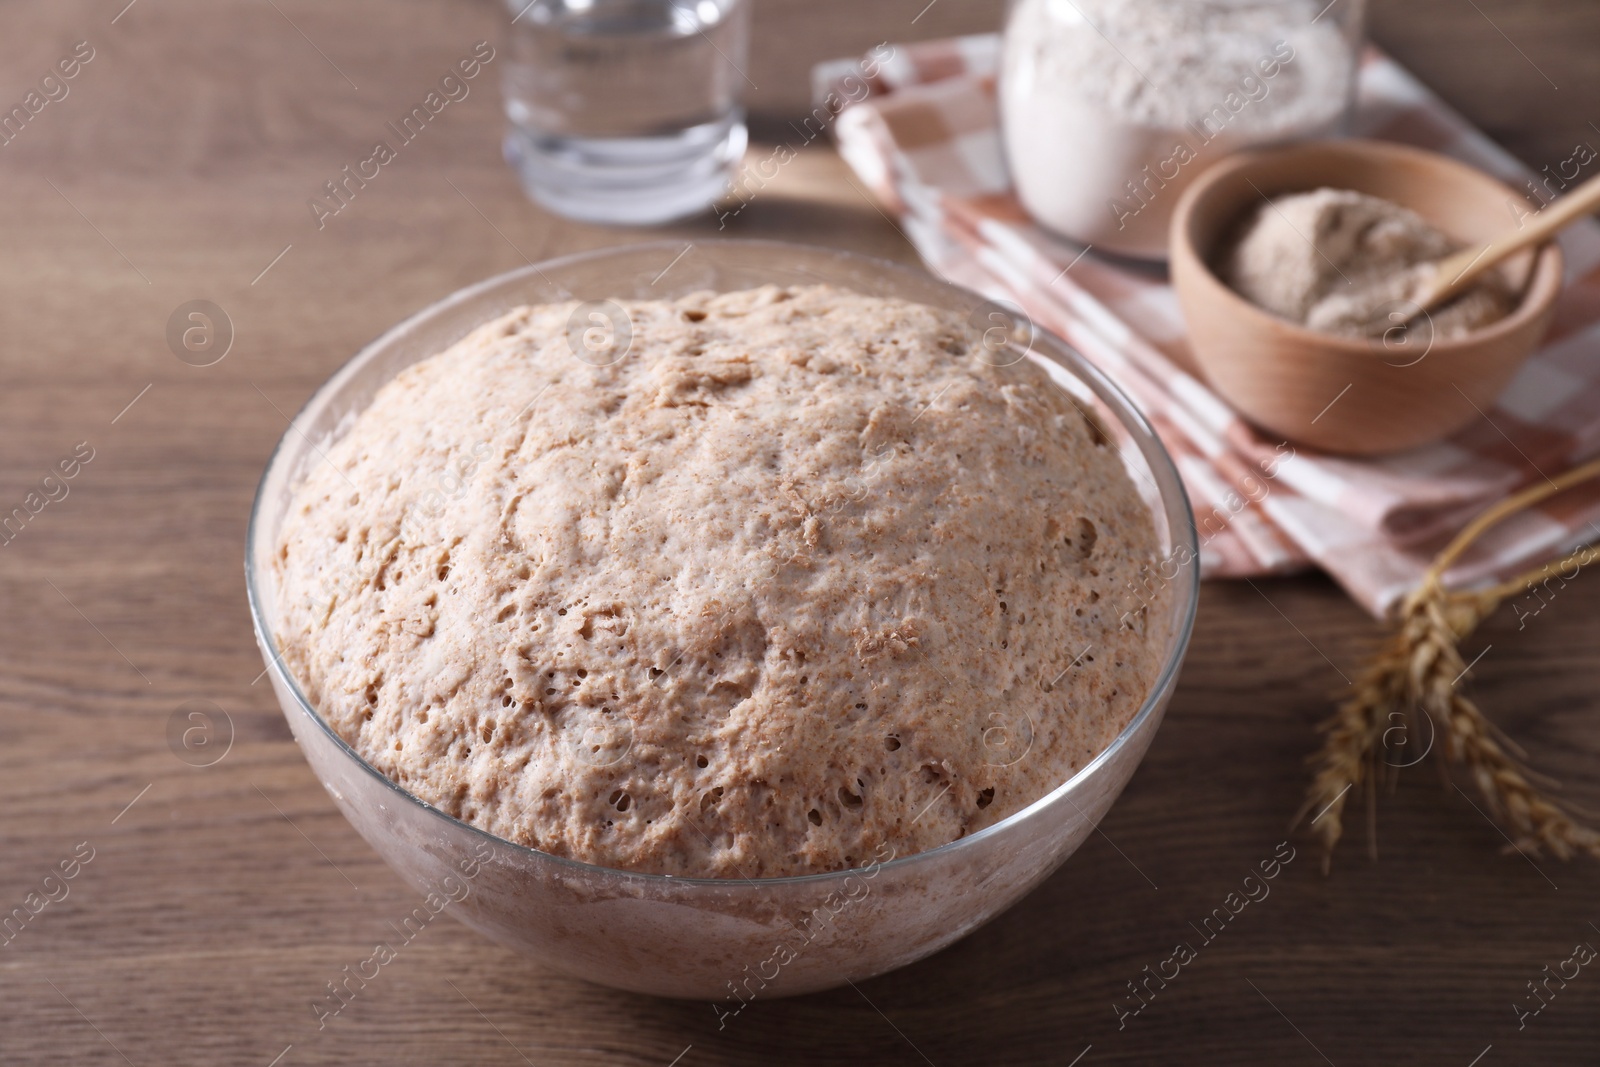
point(926, 141)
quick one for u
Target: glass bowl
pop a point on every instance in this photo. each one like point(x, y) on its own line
point(726, 940)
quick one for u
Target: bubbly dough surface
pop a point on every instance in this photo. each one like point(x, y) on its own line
point(799, 575)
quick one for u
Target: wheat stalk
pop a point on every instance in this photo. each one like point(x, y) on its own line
point(1350, 741)
point(1419, 668)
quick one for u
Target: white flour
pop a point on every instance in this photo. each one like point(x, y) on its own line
point(1110, 107)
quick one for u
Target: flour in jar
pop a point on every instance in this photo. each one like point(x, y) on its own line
point(1110, 107)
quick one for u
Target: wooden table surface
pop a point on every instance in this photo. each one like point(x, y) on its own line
point(220, 899)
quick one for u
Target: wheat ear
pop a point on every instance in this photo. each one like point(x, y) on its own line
point(1419, 667)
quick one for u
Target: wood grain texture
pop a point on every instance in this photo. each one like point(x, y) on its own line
point(220, 902)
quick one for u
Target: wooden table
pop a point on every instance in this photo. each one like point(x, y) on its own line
point(220, 899)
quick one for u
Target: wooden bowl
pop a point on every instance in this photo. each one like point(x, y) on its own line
point(1355, 396)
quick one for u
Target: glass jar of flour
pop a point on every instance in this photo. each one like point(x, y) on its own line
point(1110, 107)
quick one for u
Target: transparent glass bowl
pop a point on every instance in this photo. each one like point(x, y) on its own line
point(725, 940)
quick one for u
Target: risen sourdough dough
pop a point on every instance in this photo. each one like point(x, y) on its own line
point(800, 575)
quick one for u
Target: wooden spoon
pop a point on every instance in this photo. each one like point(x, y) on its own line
point(1456, 273)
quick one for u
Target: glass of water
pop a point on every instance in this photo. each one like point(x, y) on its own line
point(625, 111)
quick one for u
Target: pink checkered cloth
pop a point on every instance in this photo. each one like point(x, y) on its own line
point(926, 141)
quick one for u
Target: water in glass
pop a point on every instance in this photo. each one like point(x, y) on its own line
point(625, 111)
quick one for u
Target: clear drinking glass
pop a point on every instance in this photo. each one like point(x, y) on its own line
point(625, 111)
